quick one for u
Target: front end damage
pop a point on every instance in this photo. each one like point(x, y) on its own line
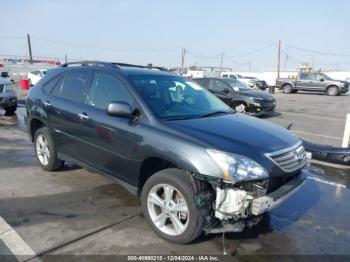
point(229, 207)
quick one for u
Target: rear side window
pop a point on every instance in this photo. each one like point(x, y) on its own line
point(48, 87)
point(105, 89)
point(204, 82)
point(304, 76)
point(72, 87)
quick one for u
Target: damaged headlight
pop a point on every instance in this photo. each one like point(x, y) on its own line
point(237, 167)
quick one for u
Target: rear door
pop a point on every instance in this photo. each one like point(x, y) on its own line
point(63, 107)
point(107, 141)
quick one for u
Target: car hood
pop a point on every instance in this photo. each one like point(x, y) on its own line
point(237, 133)
point(258, 94)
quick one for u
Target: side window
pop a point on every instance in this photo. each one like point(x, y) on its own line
point(105, 89)
point(219, 85)
point(48, 87)
point(304, 76)
point(204, 82)
point(225, 75)
point(73, 86)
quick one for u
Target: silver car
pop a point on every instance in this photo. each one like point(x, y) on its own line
point(8, 97)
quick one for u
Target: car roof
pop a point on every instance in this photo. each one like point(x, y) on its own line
point(125, 69)
point(144, 71)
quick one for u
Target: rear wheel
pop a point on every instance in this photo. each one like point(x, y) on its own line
point(333, 91)
point(45, 150)
point(287, 89)
point(10, 109)
point(168, 205)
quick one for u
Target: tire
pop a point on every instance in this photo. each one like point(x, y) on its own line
point(11, 109)
point(43, 142)
point(287, 89)
point(333, 91)
point(184, 187)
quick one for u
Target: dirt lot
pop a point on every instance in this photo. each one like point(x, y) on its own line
point(74, 211)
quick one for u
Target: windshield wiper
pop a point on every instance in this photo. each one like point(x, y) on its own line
point(221, 112)
point(176, 117)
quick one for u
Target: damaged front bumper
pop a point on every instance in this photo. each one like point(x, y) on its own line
point(266, 203)
point(236, 208)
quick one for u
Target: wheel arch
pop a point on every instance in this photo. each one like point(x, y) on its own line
point(35, 124)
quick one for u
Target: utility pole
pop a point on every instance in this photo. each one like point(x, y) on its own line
point(30, 49)
point(222, 60)
point(279, 59)
point(183, 54)
point(65, 58)
point(250, 66)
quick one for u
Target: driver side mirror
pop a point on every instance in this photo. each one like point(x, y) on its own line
point(321, 79)
point(226, 90)
point(121, 109)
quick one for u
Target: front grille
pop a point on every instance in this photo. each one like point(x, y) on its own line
point(290, 159)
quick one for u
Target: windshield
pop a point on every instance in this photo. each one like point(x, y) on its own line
point(5, 88)
point(325, 76)
point(234, 83)
point(175, 97)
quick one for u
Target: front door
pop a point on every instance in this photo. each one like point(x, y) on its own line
point(108, 141)
point(220, 89)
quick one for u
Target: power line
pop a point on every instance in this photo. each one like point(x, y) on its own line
point(316, 52)
point(12, 37)
point(254, 51)
point(101, 48)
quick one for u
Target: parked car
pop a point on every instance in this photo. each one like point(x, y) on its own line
point(313, 81)
point(35, 76)
point(8, 97)
point(239, 95)
point(249, 80)
point(196, 164)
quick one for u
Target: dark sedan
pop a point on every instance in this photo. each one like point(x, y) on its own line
point(239, 95)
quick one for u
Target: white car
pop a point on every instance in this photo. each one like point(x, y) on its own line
point(35, 76)
point(238, 77)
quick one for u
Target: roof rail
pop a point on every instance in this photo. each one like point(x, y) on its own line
point(112, 65)
point(89, 63)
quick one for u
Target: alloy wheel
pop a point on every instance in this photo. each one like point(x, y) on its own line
point(240, 108)
point(168, 209)
point(42, 150)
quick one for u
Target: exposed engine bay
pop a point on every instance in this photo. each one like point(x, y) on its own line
point(231, 208)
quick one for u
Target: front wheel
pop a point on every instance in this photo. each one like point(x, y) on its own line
point(240, 108)
point(168, 205)
point(333, 91)
point(45, 150)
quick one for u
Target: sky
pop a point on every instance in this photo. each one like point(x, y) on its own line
point(155, 31)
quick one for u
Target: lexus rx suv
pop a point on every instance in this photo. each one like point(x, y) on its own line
point(197, 165)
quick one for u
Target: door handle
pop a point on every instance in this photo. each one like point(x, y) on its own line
point(47, 103)
point(83, 116)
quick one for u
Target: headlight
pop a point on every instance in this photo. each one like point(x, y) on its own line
point(237, 167)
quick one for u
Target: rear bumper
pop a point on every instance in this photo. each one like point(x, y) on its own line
point(265, 203)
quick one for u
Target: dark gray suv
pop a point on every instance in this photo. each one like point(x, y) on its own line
point(197, 165)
